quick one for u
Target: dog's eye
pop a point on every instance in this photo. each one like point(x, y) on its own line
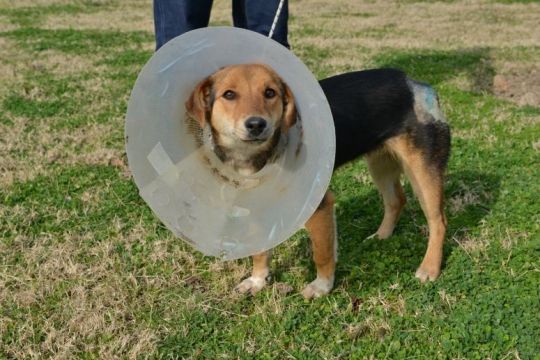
point(229, 95)
point(269, 93)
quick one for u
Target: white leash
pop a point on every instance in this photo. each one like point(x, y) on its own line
point(276, 19)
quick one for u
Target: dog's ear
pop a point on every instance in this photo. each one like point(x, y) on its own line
point(198, 105)
point(289, 109)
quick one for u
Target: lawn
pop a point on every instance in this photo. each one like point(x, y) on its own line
point(88, 272)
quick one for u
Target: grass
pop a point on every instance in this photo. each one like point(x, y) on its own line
point(88, 272)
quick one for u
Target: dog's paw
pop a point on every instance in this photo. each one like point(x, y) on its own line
point(374, 237)
point(425, 273)
point(381, 234)
point(251, 285)
point(318, 288)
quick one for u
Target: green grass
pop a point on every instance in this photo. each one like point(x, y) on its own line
point(78, 42)
point(30, 16)
point(88, 272)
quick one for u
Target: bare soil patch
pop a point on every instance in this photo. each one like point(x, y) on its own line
point(522, 87)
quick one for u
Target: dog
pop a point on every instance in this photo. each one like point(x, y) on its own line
point(394, 121)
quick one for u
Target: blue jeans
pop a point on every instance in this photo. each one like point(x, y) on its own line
point(175, 17)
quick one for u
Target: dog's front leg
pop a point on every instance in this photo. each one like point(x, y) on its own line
point(259, 275)
point(322, 230)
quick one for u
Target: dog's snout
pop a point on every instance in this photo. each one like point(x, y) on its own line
point(255, 125)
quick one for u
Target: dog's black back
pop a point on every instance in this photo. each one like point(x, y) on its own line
point(368, 108)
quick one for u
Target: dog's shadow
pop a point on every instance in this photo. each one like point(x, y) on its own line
point(435, 67)
point(470, 195)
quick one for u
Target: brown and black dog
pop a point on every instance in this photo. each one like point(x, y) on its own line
point(394, 121)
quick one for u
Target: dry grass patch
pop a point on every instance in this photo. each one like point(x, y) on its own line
point(12, 61)
point(510, 237)
point(125, 18)
point(42, 141)
point(45, 146)
point(379, 25)
point(370, 327)
point(28, 3)
point(63, 65)
point(6, 24)
point(221, 12)
point(458, 204)
point(95, 302)
point(474, 246)
point(16, 63)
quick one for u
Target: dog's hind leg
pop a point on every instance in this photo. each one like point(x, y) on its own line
point(386, 173)
point(427, 179)
point(322, 230)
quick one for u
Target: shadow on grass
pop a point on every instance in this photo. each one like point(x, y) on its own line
point(435, 67)
point(372, 262)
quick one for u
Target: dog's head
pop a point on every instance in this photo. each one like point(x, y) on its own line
point(247, 107)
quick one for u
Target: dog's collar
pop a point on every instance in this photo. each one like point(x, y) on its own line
point(279, 149)
point(208, 141)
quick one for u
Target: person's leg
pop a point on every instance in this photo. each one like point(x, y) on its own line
point(259, 15)
point(175, 17)
point(239, 14)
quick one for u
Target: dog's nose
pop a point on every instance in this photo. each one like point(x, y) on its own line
point(255, 125)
